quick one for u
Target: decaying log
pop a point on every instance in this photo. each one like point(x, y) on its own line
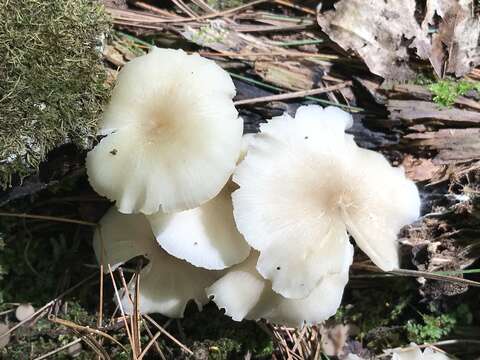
point(421, 112)
point(451, 145)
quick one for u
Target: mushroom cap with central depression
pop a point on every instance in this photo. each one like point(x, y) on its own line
point(303, 184)
point(173, 135)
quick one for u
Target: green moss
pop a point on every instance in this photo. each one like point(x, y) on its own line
point(34, 265)
point(217, 336)
point(51, 79)
point(433, 328)
point(225, 4)
point(446, 92)
point(209, 34)
point(44, 336)
point(376, 307)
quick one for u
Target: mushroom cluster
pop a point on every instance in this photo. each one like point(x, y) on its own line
point(259, 224)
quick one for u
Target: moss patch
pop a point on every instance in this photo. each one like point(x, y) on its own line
point(225, 4)
point(51, 79)
point(433, 328)
point(446, 92)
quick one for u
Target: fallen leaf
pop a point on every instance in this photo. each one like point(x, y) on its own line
point(380, 32)
point(459, 33)
point(291, 75)
point(334, 338)
point(386, 33)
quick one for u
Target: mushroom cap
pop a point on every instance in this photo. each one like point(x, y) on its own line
point(167, 284)
point(303, 184)
point(205, 236)
point(353, 357)
point(413, 352)
point(245, 294)
point(173, 135)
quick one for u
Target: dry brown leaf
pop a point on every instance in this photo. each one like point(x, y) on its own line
point(385, 33)
point(459, 33)
point(220, 36)
point(334, 338)
point(114, 56)
point(224, 38)
point(379, 31)
point(291, 75)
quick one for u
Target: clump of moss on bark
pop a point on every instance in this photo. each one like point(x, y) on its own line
point(225, 4)
point(52, 81)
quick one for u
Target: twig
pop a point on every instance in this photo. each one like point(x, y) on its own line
point(100, 310)
point(184, 7)
point(156, 10)
point(47, 305)
point(171, 337)
point(295, 6)
point(271, 87)
point(119, 301)
point(456, 341)
point(87, 329)
point(135, 322)
point(94, 344)
point(7, 312)
point(53, 352)
point(204, 6)
point(299, 339)
point(291, 54)
point(132, 316)
point(158, 20)
point(157, 347)
point(295, 94)
point(151, 342)
point(266, 28)
point(416, 273)
point(49, 218)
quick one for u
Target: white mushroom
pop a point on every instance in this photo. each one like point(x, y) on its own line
point(167, 284)
point(413, 352)
point(207, 235)
point(244, 294)
point(303, 183)
point(353, 357)
point(172, 134)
